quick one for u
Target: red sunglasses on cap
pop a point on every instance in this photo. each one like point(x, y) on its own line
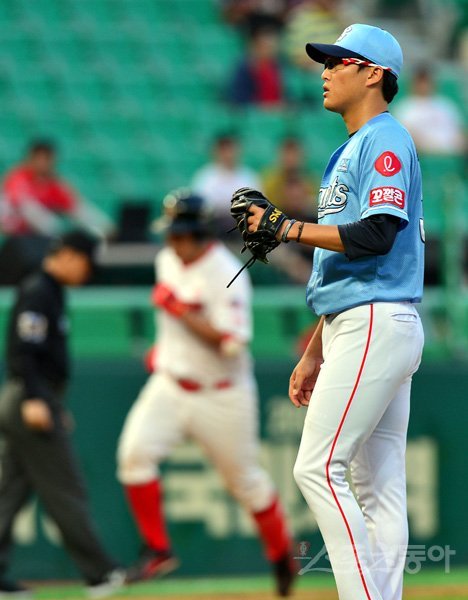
point(332, 63)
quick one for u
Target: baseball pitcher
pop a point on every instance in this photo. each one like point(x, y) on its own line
point(355, 375)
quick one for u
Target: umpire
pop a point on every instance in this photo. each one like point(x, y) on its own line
point(36, 454)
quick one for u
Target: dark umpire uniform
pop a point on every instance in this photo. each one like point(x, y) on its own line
point(37, 368)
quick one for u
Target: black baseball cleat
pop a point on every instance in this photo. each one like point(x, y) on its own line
point(285, 573)
point(152, 564)
point(13, 590)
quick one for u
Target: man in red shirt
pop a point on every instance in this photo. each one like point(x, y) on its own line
point(33, 197)
point(257, 79)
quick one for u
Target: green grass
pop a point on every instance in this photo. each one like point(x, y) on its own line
point(457, 575)
point(191, 587)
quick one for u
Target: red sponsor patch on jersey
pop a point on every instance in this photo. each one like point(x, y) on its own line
point(388, 164)
point(387, 195)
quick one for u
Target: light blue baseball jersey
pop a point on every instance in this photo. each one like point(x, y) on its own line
point(376, 171)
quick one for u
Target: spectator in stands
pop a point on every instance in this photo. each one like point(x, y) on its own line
point(299, 200)
point(458, 40)
point(251, 15)
point(288, 184)
point(295, 260)
point(35, 200)
point(434, 121)
point(399, 9)
point(218, 179)
point(294, 191)
point(320, 20)
point(258, 78)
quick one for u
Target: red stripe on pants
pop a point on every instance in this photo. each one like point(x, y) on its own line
point(340, 427)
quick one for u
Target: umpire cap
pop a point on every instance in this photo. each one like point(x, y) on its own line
point(185, 212)
point(80, 241)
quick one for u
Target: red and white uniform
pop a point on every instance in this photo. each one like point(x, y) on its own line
point(197, 390)
point(202, 286)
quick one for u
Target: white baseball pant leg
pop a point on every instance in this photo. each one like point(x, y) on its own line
point(224, 422)
point(370, 353)
point(153, 428)
point(378, 474)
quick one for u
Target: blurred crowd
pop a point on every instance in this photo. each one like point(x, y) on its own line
point(36, 203)
point(276, 31)
point(36, 206)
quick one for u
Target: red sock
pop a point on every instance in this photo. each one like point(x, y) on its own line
point(146, 503)
point(271, 524)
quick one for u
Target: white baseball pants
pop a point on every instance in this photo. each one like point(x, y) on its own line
point(358, 417)
point(224, 422)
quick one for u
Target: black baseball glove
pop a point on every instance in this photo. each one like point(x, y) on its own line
point(263, 240)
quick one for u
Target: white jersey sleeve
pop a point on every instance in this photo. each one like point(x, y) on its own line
point(229, 308)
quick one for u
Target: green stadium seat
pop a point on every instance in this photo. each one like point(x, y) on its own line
point(154, 12)
point(48, 12)
point(39, 90)
point(21, 48)
point(128, 55)
point(8, 12)
point(73, 51)
point(198, 12)
point(303, 88)
point(89, 89)
point(102, 12)
point(442, 191)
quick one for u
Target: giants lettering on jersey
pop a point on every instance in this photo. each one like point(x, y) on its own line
point(387, 195)
point(332, 199)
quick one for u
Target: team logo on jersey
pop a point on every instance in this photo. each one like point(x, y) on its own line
point(387, 195)
point(343, 166)
point(32, 327)
point(388, 164)
point(332, 199)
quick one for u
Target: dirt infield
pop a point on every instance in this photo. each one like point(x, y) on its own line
point(438, 591)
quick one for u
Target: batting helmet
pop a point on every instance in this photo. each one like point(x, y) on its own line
point(185, 212)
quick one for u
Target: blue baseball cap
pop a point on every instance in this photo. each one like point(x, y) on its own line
point(365, 42)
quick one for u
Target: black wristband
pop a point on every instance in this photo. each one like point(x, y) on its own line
point(299, 233)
